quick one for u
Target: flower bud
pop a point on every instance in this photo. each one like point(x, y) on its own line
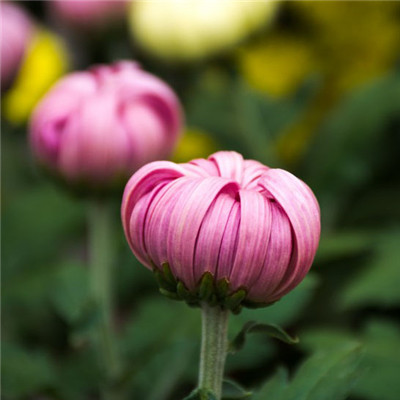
point(95, 128)
point(248, 232)
point(16, 31)
point(88, 13)
point(188, 30)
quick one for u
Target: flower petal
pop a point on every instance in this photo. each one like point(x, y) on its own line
point(277, 258)
point(211, 234)
point(229, 164)
point(254, 232)
point(186, 219)
point(301, 207)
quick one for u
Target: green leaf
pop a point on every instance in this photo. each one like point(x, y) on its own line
point(274, 388)
point(326, 375)
point(380, 380)
point(200, 394)
point(25, 373)
point(70, 293)
point(379, 282)
point(350, 142)
point(231, 390)
point(381, 357)
point(257, 327)
point(342, 244)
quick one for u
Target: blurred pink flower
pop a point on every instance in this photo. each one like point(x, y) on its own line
point(256, 226)
point(88, 13)
point(97, 127)
point(16, 31)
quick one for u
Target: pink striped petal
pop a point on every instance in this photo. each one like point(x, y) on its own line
point(277, 257)
point(229, 164)
point(186, 220)
point(252, 173)
point(211, 234)
point(302, 209)
point(143, 182)
point(254, 232)
point(159, 221)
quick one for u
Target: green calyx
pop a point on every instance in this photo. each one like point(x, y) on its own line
point(208, 290)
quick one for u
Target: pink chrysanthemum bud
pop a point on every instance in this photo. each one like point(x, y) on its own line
point(224, 230)
point(95, 128)
point(89, 13)
point(16, 32)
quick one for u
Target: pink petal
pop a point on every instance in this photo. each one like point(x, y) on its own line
point(301, 207)
point(144, 181)
point(186, 219)
point(277, 257)
point(252, 244)
point(211, 234)
point(229, 164)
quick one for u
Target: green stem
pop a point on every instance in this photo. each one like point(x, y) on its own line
point(101, 257)
point(214, 343)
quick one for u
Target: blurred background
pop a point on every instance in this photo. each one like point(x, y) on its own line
point(312, 87)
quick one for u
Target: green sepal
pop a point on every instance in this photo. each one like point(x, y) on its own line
point(170, 295)
point(223, 287)
point(257, 327)
point(206, 286)
point(185, 294)
point(237, 310)
point(233, 301)
point(168, 276)
point(163, 283)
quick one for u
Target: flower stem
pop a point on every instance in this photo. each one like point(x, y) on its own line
point(214, 343)
point(101, 257)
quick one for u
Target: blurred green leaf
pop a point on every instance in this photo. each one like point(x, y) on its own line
point(380, 361)
point(274, 388)
point(160, 340)
point(25, 372)
point(379, 281)
point(70, 291)
point(285, 311)
point(337, 245)
point(243, 119)
point(155, 376)
point(231, 390)
point(78, 374)
point(256, 327)
point(326, 375)
point(41, 220)
point(349, 143)
point(200, 394)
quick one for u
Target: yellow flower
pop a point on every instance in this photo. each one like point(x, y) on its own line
point(277, 64)
point(192, 29)
point(194, 144)
point(46, 60)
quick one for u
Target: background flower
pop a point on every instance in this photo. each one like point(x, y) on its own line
point(46, 61)
point(193, 29)
point(140, 122)
point(16, 31)
point(88, 14)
